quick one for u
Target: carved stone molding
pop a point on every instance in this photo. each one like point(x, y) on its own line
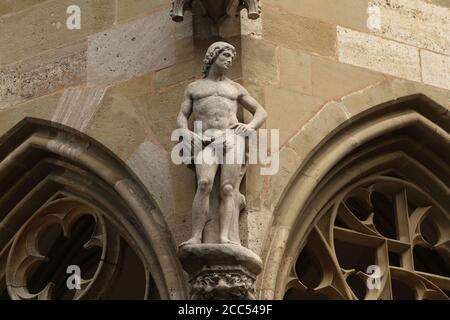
point(223, 283)
point(70, 189)
point(220, 271)
point(402, 146)
point(215, 9)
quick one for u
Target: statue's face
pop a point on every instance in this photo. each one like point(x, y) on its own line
point(225, 59)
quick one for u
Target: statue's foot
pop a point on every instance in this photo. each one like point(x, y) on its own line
point(190, 242)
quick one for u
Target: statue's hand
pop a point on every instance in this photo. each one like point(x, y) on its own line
point(242, 128)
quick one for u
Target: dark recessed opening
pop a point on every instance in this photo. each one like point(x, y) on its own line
point(4, 295)
point(339, 223)
point(394, 259)
point(358, 207)
point(428, 231)
point(384, 218)
point(294, 294)
point(401, 291)
point(308, 269)
point(130, 280)
point(354, 256)
point(431, 261)
point(357, 285)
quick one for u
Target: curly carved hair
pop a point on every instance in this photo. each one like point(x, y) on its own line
point(211, 54)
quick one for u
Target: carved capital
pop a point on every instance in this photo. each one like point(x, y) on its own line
point(253, 8)
point(215, 9)
point(178, 8)
point(223, 282)
point(220, 271)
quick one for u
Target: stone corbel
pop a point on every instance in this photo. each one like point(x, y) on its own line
point(215, 9)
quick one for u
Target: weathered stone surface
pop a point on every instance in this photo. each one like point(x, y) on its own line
point(251, 28)
point(332, 80)
point(255, 90)
point(117, 125)
point(183, 188)
point(185, 49)
point(403, 88)
point(43, 27)
point(435, 69)
point(43, 74)
point(258, 225)
point(137, 86)
point(150, 162)
point(42, 108)
point(288, 110)
point(331, 116)
point(416, 23)
point(179, 72)
point(185, 29)
point(289, 161)
point(261, 61)
point(348, 13)
point(195, 257)
point(220, 271)
point(367, 98)
point(375, 53)
point(296, 32)
point(77, 106)
point(8, 6)
point(130, 50)
point(160, 113)
point(127, 9)
point(254, 187)
point(442, 3)
point(295, 71)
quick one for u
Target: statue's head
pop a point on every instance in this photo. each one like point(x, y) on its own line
point(221, 53)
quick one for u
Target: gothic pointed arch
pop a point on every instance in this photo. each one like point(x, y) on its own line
point(372, 196)
point(66, 200)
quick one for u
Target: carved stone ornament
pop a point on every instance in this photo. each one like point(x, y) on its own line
point(218, 265)
point(26, 254)
point(220, 271)
point(215, 9)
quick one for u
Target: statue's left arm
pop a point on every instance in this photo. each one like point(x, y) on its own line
point(249, 103)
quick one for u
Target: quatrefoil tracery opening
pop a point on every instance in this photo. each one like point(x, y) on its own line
point(62, 251)
point(65, 231)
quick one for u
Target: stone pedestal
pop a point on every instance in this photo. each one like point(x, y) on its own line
point(220, 271)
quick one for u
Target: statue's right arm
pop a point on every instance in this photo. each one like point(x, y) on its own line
point(185, 111)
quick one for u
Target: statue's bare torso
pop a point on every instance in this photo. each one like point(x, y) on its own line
point(215, 103)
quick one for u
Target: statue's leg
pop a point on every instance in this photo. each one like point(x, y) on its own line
point(229, 178)
point(205, 180)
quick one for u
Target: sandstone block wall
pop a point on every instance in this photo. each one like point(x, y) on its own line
point(120, 78)
point(305, 58)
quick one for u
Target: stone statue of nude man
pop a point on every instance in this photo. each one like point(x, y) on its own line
point(213, 100)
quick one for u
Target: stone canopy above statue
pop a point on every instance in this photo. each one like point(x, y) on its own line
point(216, 10)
